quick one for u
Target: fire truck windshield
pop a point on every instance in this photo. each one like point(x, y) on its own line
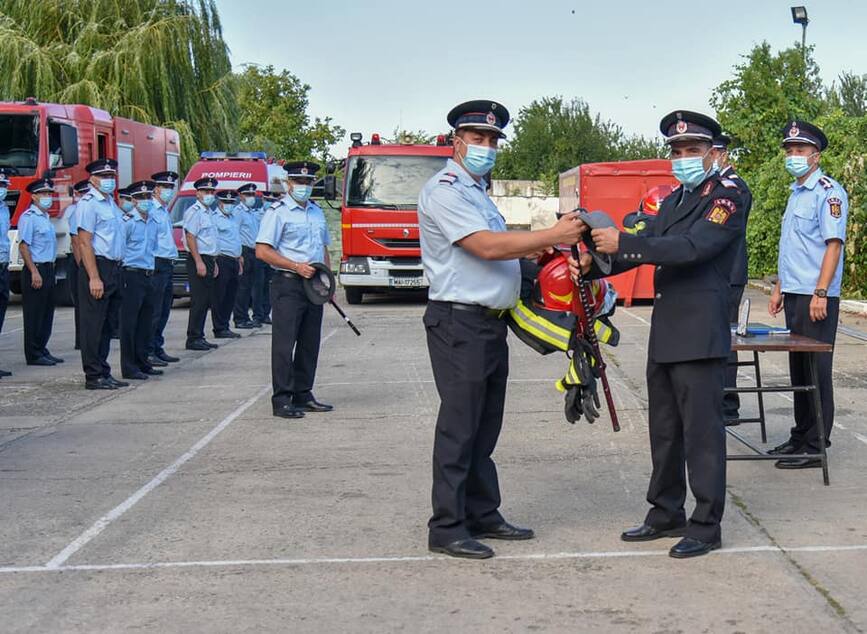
point(389, 182)
point(19, 142)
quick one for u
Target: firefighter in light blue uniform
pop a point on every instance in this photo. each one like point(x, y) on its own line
point(164, 256)
point(248, 229)
point(5, 246)
point(228, 261)
point(200, 241)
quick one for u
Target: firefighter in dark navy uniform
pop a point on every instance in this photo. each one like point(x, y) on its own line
point(471, 261)
point(738, 281)
point(693, 242)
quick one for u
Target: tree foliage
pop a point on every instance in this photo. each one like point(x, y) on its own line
point(552, 134)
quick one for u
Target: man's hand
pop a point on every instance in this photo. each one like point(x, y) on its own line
point(775, 303)
point(535, 255)
point(569, 229)
point(201, 269)
point(96, 288)
point(586, 263)
point(36, 279)
point(818, 308)
point(607, 240)
point(304, 270)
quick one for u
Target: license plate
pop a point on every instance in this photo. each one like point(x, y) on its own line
point(407, 282)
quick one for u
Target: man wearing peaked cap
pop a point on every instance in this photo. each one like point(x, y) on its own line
point(260, 293)
point(38, 249)
point(696, 234)
point(74, 264)
point(297, 327)
point(738, 279)
point(229, 261)
point(248, 227)
point(136, 324)
point(810, 273)
point(200, 240)
point(165, 254)
point(5, 246)
point(471, 261)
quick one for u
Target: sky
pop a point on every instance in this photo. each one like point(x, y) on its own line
point(374, 65)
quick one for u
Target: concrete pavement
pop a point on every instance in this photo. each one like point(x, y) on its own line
point(183, 505)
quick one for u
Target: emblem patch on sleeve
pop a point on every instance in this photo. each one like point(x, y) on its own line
point(721, 210)
point(836, 207)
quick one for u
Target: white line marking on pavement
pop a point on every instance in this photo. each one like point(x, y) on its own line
point(634, 316)
point(860, 437)
point(103, 522)
point(612, 554)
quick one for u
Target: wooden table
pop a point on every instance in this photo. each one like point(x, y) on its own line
point(779, 343)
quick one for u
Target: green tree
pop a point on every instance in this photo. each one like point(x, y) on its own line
point(414, 137)
point(850, 95)
point(552, 135)
point(274, 116)
point(157, 61)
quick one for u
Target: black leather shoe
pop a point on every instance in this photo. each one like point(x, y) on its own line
point(244, 325)
point(115, 382)
point(255, 323)
point(212, 346)
point(100, 384)
point(136, 376)
point(468, 548)
point(152, 372)
point(502, 531)
point(198, 344)
point(226, 334)
point(51, 357)
point(267, 320)
point(790, 446)
point(5, 373)
point(645, 533)
point(167, 358)
point(288, 411)
point(41, 361)
point(691, 547)
point(799, 463)
point(314, 406)
point(157, 362)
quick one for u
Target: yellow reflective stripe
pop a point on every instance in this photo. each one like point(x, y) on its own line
point(603, 332)
point(540, 328)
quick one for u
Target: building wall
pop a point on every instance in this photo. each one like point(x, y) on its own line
point(524, 204)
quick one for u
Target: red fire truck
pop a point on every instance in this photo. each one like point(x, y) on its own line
point(58, 141)
point(379, 220)
point(617, 189)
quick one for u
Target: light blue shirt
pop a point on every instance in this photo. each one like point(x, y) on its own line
point(228, 233)
point(816, 213)
point(300, 234)
point(248, 226)
point(97, 214)
point(452, 206)
point(141, 240)
point(37, 232)
point(4, 233)
point(166, 247)
point(71, 219)
point(199, 222)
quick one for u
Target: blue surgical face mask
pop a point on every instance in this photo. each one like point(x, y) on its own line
point(301, 193)
point(797, 166)
point(3, 191)
point(250, 201)
point(690, 171)
point(207, 200)
point(44, 202)
point(166, 194)
point(126, 205)
point(107, 185)
point(479, 159)
point(143, 206)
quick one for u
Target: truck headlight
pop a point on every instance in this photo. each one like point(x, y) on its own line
point(355, 266)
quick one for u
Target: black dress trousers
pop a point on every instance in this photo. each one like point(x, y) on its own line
point(37, 306)
point(797, 311)
point(136, 320)
point(96, 317)
point(227, 287)
point(470, 361)
point(163, 295)
point(202, 297)
point(295, 338)
point(72, 280)
point(244, 296)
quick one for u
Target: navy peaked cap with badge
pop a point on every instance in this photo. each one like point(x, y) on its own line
point(227, 196)
point(6, 172)
point(301, 169)
point(480, 114)
point(797, 131)
point(123, 192)
point(248, 188)
point(165, 178)
point(141, 187)
point(272, 196)
point(683, 125)
point(41, 185)
point(102, 166)
point(207, 182)
point(722, 141)
point(82, 186)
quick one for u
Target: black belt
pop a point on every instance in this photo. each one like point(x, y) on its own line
point(292, 275)
point(163, 260)
point(472, 308)
point(102, 258)
point(135, 269)
point(228, 257)
point(203, 256)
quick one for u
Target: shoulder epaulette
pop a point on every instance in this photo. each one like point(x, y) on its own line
point(725, 182)
point(448, 178)
point(826, 182)
point(87, 196)
point(127, 217)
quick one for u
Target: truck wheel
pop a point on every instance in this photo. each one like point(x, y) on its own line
point(354, 295)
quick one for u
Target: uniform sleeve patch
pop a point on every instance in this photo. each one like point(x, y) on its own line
point(721, 210)
point(836, 207)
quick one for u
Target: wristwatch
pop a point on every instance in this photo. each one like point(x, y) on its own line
point(821, 292)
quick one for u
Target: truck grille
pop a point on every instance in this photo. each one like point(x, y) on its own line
point(399, 243)
point(405, 274)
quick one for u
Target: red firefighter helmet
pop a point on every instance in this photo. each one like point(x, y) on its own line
point(653, 198)
point(555, 290)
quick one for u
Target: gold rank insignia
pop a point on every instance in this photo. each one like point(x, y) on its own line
point(836, 207)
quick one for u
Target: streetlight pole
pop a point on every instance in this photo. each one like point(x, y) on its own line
point(799, 16)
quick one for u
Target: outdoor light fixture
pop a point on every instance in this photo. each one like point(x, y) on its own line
point(355, 137)
point(799, 15)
